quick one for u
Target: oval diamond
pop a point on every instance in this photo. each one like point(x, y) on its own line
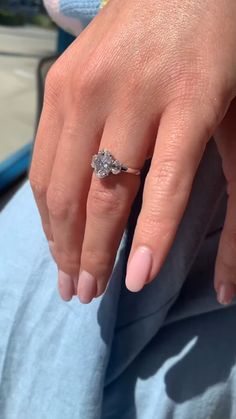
point(102, 163)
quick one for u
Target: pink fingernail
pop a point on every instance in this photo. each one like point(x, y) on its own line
point(138, 269)
point(65, 285)
point(225, 293)
point(87, 287)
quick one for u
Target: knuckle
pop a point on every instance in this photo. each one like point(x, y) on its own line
point(57, 203)
point(153, 226)
point(135, 87)
point(85, 82)
point(214, 98)
point(104, 202)
point(165, 179)
point(148, 228)
point(68, 261)
point(54, 81)
point(185, 81)
point(95, 259)
point(38, 186)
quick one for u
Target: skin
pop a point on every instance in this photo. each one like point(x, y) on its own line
point(157, 81)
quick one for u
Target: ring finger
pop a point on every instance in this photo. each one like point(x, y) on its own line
point(109, 200)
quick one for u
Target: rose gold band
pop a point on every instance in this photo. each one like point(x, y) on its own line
point(132, 171)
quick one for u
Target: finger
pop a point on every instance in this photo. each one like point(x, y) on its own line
point(44, 151)
point(67, 194)
point(181, 140)
point(110, 199)
point(225, 267)
point(53, 116)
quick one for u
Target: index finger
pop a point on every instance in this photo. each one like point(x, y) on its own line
point(181, 140)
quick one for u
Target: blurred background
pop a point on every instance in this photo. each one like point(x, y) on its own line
point(29, 43)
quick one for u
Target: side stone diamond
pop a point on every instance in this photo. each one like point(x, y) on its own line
point(116, 167)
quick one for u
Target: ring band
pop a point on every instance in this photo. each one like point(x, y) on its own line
point(105, 164)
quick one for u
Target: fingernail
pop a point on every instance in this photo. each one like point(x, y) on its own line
point(225, 293)
point(138, 269)
point(87, 287)
point(65, 285)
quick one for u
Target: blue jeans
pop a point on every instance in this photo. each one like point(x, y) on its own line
point(166, 352)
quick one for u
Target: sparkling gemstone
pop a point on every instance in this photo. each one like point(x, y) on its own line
point(116, 167)
point(102, 163)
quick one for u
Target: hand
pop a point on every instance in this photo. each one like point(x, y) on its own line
point(139, 81)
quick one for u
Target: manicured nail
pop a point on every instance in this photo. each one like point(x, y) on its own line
point(65, 286)
point(225, 293)
point(138, 269)
point(87, 287)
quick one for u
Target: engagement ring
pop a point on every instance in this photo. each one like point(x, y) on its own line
point(104, 164)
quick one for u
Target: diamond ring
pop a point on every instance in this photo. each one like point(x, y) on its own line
point(104, 164)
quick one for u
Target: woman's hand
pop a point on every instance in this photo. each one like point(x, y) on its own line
point(140, 80)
